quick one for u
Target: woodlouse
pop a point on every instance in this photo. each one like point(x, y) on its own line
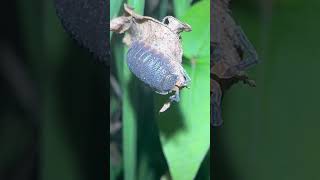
point(155, 69)
point(155, 51)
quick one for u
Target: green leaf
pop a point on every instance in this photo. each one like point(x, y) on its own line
point(115, 6)
point(114, 171)
point(180, 7)
point(129, 115)
point(196, 44)
point(129, 128)
point(163, 8)
point(138, 5)
point(185, 127)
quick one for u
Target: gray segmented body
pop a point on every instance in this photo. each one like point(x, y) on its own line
point(152, 67)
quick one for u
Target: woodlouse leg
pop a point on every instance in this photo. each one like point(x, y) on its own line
point(245, 79)
point(172, 98)
point(176, 96)
point(186, 76)
point(250, 56)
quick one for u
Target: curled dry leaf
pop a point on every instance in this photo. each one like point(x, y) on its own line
point(155, 51)
point(231, 55)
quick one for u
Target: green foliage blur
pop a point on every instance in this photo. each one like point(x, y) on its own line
point(272, 131)
point(174, 144)
point(53, 99)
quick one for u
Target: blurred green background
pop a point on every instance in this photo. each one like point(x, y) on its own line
point(174, 144)
point(272, 131)
point(53, 99)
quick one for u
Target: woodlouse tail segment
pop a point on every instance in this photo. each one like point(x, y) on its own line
point(168, 82)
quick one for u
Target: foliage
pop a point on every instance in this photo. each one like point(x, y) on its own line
point(184, 130)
